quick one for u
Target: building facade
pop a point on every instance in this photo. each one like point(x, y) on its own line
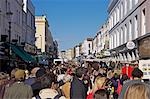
point(95, 44)
point(87, 47)
point(128, 21)
point(101, 41)
point(44, 39)
point(55, 52)
point(15, 7)
point(28, 31)
point(77, 51)
point(69, 54)
point(22, 22)
point(17, 28)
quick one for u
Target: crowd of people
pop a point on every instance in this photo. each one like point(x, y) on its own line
point(72, 81)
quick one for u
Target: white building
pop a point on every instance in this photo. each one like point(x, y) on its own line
point(101, 41)
point(44, 39)
point(69, 54)
point(95, 44)
point(104, 37)
point(87, 46)
point(128, 20)
point(77, 51)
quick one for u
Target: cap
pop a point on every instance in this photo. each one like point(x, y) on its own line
point(20, 74)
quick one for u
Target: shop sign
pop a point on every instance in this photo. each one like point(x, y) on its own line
point(106, 53)
point(144, 65)
point(130, 45)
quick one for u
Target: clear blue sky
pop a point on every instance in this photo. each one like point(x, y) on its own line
point(72, 21)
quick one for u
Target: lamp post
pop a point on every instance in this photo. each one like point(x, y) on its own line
point(9, 15)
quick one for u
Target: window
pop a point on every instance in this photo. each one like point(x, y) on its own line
point(121, 10)
point(115, 40)
point(115, 17)
point(135, 26)
point(118, 16)
point(109, 23)
point(125, 7)
point(125, 34)
point(89, 46)
point(0, 19)
point(117, 37)
point(33, 22)
point(130, 30)
point(112, 42)
point(112, 21)
point(6, 5)
point(9, 9)
point(121, 35)
point(143, 22)
point(19, 39)
point(89, 52)
point(19, 15)
point(6, 31)
point(130, 4)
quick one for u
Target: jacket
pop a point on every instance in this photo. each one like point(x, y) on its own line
point(77, 89)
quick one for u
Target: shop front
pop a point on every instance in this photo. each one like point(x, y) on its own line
point(126, 53)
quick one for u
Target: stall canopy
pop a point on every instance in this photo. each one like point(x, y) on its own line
point(96, 60)
point(22, 53)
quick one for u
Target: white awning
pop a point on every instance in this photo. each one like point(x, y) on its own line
point(96, 60)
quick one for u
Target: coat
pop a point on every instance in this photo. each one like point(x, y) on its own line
point(18, 90)
point(78, 90)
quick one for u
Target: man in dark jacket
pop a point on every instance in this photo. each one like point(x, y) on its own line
point(78, 90)
point(39, 82)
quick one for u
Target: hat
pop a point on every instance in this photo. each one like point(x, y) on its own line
point(19, 74)
point(48, 93)
point(40, 72)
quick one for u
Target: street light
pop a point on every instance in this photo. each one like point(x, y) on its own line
point(9, 16)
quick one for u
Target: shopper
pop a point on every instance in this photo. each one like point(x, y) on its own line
point(19, 90)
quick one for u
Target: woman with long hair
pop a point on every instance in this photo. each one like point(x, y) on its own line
point(138, 91)
point(99, 83)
